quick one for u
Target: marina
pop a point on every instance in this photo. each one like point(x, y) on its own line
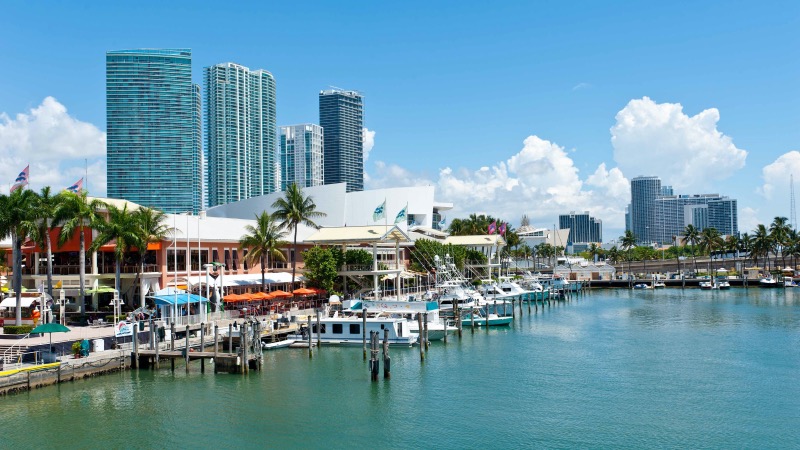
point(613, 368)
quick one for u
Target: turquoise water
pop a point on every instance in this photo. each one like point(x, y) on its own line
point(612, 369)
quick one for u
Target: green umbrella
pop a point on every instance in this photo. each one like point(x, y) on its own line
point(50, 328)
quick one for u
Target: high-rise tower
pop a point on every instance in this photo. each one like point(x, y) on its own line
point(301, 155)
point(644, 191)
point(341, 114)
point(241, 133)
point(153, 124)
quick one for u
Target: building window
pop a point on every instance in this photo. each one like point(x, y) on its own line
point(235, 259)
point(215, 256)
point(171, 257)
point(227, 259)
point(244, 259)
point(337, 328)
point(355, 328)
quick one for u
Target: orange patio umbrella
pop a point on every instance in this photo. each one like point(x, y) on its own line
point(280, 294)
point(303, 291)
point(261, 296)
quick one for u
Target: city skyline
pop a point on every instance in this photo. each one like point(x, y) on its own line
point(551, 108)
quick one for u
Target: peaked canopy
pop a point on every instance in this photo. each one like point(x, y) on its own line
point(182, 299)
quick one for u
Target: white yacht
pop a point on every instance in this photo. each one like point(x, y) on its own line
point(347, 330)
point(437, 326)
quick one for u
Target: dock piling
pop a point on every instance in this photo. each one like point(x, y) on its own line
point(319, 330)
point(216, 346)
point(310, 334)
point(186, 350)
point(202, 346)
point(364, 331)
point(421, 338)
point(386, 359)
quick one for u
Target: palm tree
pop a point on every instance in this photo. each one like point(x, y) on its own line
point(262, 242)
point(779, 233)
point(295, 209)
point(628, 241)
point(594, 250)
point(762, 244)
point(692, 236)
point(150, 227)
point(710, 241)
point(76, 212)
point(18, 220)
point(745, 243)
point(45, 206)
point(120, 227)
point(613, 254)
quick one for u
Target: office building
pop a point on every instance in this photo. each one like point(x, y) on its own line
point(241, 133)
point(302, 159)
point(644, 191)
point(341, 115)
point(583, 228)
point(153, 151)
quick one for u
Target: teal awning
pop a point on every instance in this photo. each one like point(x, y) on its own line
point(182, 299)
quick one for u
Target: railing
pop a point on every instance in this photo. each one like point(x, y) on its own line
point(196, 318)
point(9, 351)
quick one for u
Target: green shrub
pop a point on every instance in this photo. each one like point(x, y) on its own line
point(76, 348)
point(17, 329)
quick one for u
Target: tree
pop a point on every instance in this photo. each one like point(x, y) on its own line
point(150, 227)
point(779, 234)
point(76, 212)
point(120, 227)
point(321, 267)
point(710, 241)
point(692, 236)
point(295, 209)
point(263, 241)
point(17, 219)
point(594, 250)
point(628, 241)
point(745, 244)
point(613, 254)
point(45, 205)
point(762, 244)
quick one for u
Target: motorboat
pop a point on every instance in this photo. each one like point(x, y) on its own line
point(769, 282)
point(347, 330)
point(659, 285)
point(708, 285)
point(480, 319)
point(437, 326)
point(642, 286)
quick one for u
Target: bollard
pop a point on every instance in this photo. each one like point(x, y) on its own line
point(364, 331)
point(386, 359)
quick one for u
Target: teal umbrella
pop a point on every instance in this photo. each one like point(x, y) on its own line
point(50, 328)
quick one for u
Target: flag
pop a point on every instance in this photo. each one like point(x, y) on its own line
point(442, 222)
point(401, 216)
point(493, 227)
point(502, 229)
point(22, 179)
point(77, 187)
point(380, 212)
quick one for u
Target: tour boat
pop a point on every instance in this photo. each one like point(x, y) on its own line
point(768, 282)
point(347, 330)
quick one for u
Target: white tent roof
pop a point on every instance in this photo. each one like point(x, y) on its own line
point(368, 234)
point(476, 240)
point(11, 302)
point(246, 279)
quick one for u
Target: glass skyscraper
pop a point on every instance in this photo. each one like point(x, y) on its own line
point(301, 155)
point(583, 228)
point(241, 133)
point(154, 156)
point(341, 115)
point(644, 191)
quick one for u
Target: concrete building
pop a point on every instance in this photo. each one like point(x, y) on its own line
point(583, 228)
point(153, 151)
point(241, 133)
point(302, 157)
point(341, 115)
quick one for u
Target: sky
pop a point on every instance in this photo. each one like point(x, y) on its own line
point(535, 108)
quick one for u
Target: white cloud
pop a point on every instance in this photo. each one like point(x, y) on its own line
point(778, 173)
point(580, 86)
point(748, 219)
point(369, 142)
point(540, 180)
point(55, 144)
point(689, 153)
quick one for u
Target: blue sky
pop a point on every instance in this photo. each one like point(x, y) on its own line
point(704, 96)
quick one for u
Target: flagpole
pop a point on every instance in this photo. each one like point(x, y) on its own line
point(86, 173)
point(385, 216)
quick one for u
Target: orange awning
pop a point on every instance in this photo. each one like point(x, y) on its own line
point(154, 246)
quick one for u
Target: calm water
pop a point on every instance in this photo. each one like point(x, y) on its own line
point(612, 369)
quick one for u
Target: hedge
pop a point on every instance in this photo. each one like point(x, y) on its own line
point(17, 329)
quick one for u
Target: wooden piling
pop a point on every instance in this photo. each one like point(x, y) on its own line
point(421, 338)
point(158, 345)
point(202, 346)
point(319, 330)
point(373, 340)
point(172, 336)
point(427, 341)
point(216, 345)
point(186, 350)
point(457, 316)
point(364, 331)
point(243, 345)
point(513, 305)
point(387, 373)
point(310, 333)
point(135, 359)
point(230, 338)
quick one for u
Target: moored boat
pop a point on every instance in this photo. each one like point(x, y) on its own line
point(769, 282)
